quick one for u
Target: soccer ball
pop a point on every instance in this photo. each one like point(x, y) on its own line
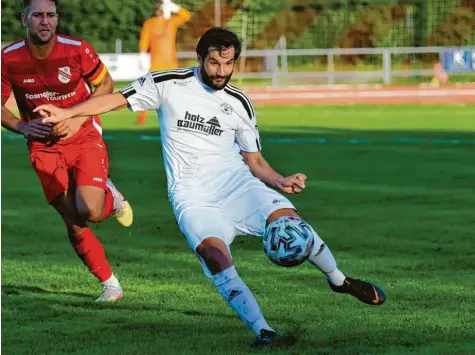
point(288, 241)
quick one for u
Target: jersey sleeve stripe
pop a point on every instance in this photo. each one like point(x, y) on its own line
point(171, 76)
point(68, 41)
point(170, 71)
point(127, 91)
point(127, 88)
point(101, 76)
point(14, 46)
point(93, 71)
point(258, 145)
point(244, 102)
point(235, 89)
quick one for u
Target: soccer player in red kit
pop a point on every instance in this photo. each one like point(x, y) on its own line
point(70, 160)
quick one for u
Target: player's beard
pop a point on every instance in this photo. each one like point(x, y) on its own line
point(40, 40)
point(208, 80)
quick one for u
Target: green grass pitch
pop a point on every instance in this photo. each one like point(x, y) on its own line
point(390, 189)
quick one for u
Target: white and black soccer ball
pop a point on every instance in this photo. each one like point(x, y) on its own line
point(288, 241)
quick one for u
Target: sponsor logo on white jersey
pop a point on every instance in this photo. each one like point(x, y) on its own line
point(64, 74)
point(199, 124)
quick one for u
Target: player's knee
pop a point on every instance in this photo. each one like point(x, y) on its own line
point(215, 254)
point(96, 215)
point(283, 212)
point(93, 214)
point(68, 212)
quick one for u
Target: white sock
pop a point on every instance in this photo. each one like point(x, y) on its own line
point(239, 297)
point(111, 281)
point(322, 258)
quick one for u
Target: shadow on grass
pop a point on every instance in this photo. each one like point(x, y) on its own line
point(17, 290)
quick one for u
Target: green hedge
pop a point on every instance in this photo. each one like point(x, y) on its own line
point(100, 22)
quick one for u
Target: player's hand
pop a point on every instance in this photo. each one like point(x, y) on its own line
point(293, 184)
point(51, 113)
point(36, 129)
point(67, 128)
point(168, 8)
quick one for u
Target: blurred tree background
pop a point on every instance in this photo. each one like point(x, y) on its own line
point(304, 23)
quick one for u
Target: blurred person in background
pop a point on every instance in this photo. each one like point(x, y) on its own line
point(158, 37)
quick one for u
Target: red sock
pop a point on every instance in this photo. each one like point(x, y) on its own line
point(108, 203)
point(92, 254)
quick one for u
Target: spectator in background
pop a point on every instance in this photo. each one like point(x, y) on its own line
point(158, 37)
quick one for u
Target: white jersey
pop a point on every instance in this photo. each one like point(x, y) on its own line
point(202, 132)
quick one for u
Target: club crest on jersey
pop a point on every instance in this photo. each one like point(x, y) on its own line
point(226, 109)
point(64, 74)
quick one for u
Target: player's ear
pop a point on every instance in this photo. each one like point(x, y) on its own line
point(24, 20)
point(200, 59)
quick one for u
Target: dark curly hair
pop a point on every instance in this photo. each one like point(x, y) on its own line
point(218, 38)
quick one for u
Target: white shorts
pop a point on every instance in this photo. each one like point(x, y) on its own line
point(243, 212)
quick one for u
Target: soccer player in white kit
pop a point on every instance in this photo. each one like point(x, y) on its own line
point(216, 173)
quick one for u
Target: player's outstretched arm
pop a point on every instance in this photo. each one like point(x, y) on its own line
point(261, 169)
point(69, 127)
point(93, 106)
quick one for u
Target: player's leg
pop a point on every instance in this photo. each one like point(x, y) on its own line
point(93, 203)
point(98, 203)
point(87, 246)
point(96, 195)
point(209, 234)
point(53, 173)
point(322, 258)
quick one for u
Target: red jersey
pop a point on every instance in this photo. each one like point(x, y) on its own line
point(63, 79)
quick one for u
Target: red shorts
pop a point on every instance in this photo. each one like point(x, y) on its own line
point(83, 161)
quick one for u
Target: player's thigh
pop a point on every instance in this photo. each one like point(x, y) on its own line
point(251, 211)
point(90, 169)
point(200, 223)
point(283, 212)
point(209, 228)
point(52, 171)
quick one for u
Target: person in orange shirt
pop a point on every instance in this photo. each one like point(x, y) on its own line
point(158, 37)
